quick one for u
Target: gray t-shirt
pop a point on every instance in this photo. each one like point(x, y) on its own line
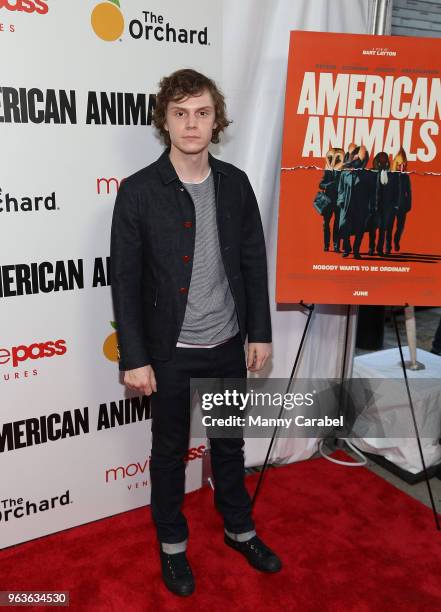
point(210, 315)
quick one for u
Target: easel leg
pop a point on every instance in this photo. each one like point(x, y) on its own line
point(296, 361)
point(340, 442)
point(420, 448)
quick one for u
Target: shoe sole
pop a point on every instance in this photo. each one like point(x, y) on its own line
point(261, 569)
point(186, 593)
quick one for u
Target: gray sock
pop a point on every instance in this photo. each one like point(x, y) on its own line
point(173, 549)
point(241, 537)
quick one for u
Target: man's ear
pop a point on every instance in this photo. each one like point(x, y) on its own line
point(166, 126)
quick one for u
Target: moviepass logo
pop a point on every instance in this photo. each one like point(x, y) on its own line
point(38, 350)
point(140, 467)
point(25, 6)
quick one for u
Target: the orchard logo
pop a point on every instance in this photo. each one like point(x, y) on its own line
point(15, 508)
point(107, 20)
point(38, 350)
point(25, 6)
point(108, 24)
point(110, 346)
point(14, 203)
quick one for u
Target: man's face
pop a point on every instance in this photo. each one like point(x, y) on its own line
point(190, 122)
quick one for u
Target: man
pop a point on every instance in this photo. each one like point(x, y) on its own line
point(329, 185)
point(385, 202)
point(403, 194)
point(189, 281)
point(354, 198)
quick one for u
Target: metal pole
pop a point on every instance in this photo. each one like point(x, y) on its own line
point(381, 24)
point(381, 17)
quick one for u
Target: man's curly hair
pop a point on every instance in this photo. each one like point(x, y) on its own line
point(180, 85)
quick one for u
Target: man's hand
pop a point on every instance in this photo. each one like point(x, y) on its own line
point(141, 379)
point(258, 353)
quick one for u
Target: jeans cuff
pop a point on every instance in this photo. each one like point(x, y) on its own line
point(241, 537)
point(173, 549)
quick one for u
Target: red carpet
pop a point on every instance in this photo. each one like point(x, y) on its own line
point(348, 540)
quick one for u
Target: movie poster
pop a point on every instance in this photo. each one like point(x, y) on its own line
point(360, 201)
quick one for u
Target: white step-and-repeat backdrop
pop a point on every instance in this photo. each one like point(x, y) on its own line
point(76, 87)
point(76, 95)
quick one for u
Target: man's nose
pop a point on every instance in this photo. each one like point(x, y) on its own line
point(191, 121)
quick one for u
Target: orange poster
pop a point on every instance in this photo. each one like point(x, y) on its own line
point(360, 195)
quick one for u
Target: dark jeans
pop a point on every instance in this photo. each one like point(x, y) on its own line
point(170, 437)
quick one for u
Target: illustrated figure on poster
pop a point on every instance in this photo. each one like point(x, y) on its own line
point(329, 185)
point(385, 203)
point(355, 198)
point(403, 194)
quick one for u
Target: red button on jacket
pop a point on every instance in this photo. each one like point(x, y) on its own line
point(186, 258)
point(188, 224)
point(183, 290)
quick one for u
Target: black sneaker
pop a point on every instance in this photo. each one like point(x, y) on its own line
point(176, 573)
point(257, 554)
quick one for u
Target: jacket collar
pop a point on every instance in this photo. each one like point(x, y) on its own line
point(168, 172)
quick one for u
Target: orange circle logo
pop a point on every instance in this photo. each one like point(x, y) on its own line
point(107, 20)
point(110, 345)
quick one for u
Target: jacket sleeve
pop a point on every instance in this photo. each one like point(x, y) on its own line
point(253, 266)
point(324, 183)
point(126, 261)
point(341, 192)
point(328, 184)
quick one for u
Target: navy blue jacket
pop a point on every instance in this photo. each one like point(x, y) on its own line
point(152, 247)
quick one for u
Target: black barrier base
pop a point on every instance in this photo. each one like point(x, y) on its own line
point(432, 471)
